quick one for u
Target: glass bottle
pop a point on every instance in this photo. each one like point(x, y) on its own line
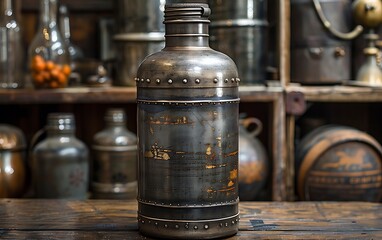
point(11, 51)
point(115, 159)
point(60, 167)
point(74, 51)
point(48, 54)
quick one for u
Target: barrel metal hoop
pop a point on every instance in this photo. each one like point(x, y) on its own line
point(233, 202)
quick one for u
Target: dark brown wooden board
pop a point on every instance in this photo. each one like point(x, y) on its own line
point(116, 219)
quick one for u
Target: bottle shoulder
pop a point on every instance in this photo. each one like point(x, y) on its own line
point(115, 137)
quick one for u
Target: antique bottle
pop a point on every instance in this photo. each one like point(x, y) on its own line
point(13, 170)
point(114, 159)
point(11, 51)
point(49, 59)
point(253, 160)
point(60, 166)
point(187, 98)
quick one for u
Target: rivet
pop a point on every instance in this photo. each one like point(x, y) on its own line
point(185, 81)
point(221, 224)
point(238, 79)
point(136, 79)
point(216, 80)
point(148, 80)
point(157, 81)
point(142, 80)
point(166, 226)
point(143, 222)
point(186, 226)
point(169, 81)
point(233, 222)
point(206, 226)
point(197, 81)
point(226, 224)
point(233, 80)
point(196, 227)
point(226, 80)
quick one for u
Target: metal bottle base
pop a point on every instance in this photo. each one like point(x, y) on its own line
point(183, 229)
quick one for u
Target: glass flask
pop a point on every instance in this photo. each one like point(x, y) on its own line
point(49, 59)
point(11, 51)
point(74, 51)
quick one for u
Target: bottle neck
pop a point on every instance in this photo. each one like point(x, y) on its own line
point(48, 14)
point(115, 124)
point(187, 34)
point(187, 25)
point(62, 133)
point(64, 23)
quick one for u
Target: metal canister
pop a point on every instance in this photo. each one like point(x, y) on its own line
point(60, 166)
point(114, 161)
point(339, 163)
point(253, 160)
point(240, 29)
point(140, 33)
point(318, 57)
point(188, 103)
point(13, 170)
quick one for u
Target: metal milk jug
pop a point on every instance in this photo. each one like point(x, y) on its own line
point(60, 166)
point(188, 104)
point(253, 160)
point(13, 171)
point(115, 159)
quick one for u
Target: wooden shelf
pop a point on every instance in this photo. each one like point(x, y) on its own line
point(112, 95)
point(338, 93)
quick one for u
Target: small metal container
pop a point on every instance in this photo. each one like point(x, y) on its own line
point(188, 102)
point(253, 160)
point(60, 167)
point(114, 159)
point(13, 170)
point(240, 29)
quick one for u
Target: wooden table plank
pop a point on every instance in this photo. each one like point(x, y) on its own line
point(114, 219)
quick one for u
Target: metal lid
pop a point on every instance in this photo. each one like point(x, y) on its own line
point(115, 115)
point(61, 122)
point(186, 11)
point(11, 138)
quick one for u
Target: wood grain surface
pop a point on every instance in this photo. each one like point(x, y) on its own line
point(116, 219)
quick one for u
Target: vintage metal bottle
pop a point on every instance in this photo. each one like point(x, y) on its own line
point(188, 103)
point(60, 166)
point(114, 173)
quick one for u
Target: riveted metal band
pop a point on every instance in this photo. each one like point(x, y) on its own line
point(152, 203)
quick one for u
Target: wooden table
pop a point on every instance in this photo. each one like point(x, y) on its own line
point(115, 219)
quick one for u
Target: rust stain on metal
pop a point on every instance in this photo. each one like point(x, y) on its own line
point(219, 139)
point(208, 150)
point(230, 184)
point(158, 153)
point(211, 190)
point(167, 120)
point(227, 189)
point(231, 154)
point(233, 174)
point(215, 166)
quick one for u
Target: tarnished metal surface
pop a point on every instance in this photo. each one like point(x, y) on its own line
point(60, 167)
point(114, 161)
point(240, 30)
point(317, 57)
point(188, 133)
point(337, 163)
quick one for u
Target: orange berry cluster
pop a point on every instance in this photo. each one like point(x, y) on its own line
point(47, 74)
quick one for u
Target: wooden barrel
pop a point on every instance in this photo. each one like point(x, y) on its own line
point(338, 163)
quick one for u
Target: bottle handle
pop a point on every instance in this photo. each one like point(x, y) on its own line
point(253, 121)
point(346, 36)
point(34, 139)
